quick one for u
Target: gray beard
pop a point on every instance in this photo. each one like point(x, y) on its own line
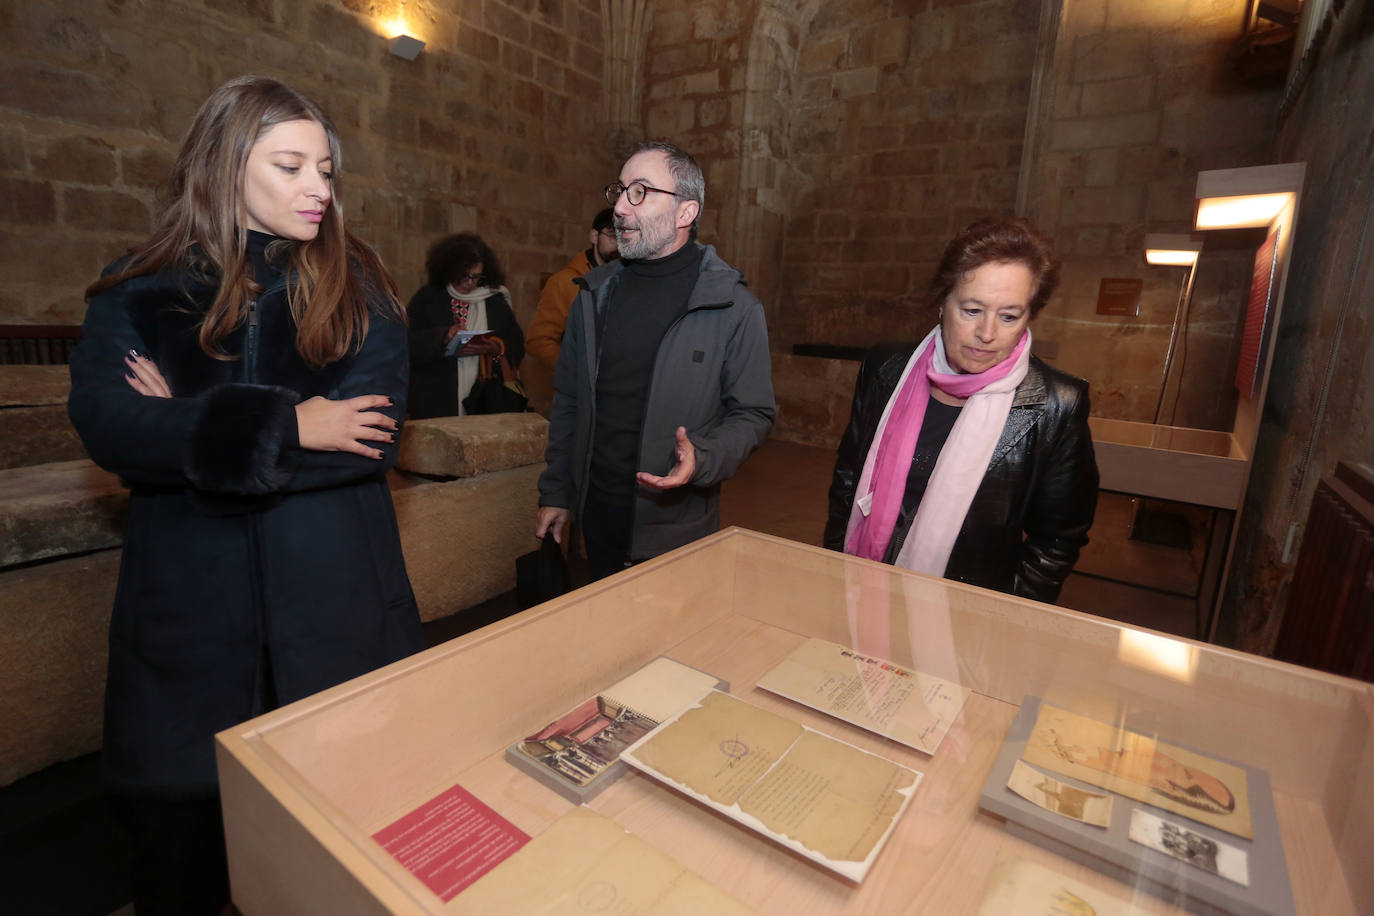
point(648, 245)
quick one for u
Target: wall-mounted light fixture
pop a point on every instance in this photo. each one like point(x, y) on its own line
point(1243, 198)
point(1239, 212)
point(405, 47)
point(1256, 196)
point(399, 40)
point(1173, 251)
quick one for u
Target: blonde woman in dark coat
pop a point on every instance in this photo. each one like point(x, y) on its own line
point(244, 371)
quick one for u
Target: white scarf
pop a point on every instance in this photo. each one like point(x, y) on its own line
point(470, 366)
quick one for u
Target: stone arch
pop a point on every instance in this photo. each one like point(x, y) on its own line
point(767, 182)
point(625, 26)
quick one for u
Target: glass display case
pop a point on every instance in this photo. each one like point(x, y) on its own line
point(305, 787)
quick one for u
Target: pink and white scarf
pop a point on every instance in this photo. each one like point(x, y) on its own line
point(958, 471)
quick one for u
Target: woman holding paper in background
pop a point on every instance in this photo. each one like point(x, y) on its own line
point(465, 292)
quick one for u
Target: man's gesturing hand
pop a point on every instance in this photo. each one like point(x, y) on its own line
point(681, 472)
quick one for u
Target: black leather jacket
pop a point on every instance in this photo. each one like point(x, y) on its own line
point(1030, 516)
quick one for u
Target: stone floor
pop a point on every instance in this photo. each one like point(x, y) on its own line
point(61, 853)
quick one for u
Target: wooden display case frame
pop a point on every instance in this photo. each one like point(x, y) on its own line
point(305, 786)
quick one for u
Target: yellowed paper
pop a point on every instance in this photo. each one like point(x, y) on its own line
point(585, 863)
point(720, 748)
point(1019, 887)
point(828, 800)
point(830, 797)
point(1053, 795)
point(661, 688)
point(1141, 767)
point(873, 693)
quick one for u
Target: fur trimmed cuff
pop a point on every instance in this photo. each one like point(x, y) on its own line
point(241, 441)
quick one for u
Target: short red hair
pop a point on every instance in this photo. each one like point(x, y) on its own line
point(997, 241)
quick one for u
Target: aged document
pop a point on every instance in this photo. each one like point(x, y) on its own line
point(1019, 887)
point(1053, 795)
point(585, 863)
point(1140, 767)
point(829, 801)
point(898, 703)
point(720, 748)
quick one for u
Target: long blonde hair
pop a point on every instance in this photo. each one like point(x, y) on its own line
point(203, 230)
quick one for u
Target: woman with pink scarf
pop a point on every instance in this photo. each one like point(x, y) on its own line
point(965, 456)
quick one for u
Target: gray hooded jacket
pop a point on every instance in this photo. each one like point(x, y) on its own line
point(712, 374)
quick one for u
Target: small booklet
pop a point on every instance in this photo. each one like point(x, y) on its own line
point(826, 800)
point(578, 754)
point(461, 338)
point(873, 693)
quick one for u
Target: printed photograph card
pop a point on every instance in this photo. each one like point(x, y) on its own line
point(577, 754)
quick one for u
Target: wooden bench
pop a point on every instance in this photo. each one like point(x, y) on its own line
point(38, 344)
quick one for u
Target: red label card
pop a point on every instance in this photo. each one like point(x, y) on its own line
point(450, 841)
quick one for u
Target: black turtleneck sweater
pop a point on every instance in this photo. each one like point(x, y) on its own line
point(265, 272)
point(650, 296)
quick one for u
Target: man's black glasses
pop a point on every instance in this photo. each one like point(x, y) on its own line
point(634, 192)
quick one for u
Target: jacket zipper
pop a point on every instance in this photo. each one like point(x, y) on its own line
point(250, 354)
point(648, 399)
point(261, 687)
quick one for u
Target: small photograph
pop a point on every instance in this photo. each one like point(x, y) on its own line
point(1189, 846)
point(583, 743)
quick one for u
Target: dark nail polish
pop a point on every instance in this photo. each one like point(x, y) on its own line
point(135, 354)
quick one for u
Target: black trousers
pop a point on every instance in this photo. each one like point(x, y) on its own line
point(606, 532)
point(178, 863)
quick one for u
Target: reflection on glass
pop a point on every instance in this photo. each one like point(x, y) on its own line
point(1158, 655)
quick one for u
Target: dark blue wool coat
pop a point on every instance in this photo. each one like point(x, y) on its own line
point(254, 572)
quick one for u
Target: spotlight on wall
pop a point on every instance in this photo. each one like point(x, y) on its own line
point(1239, 212)
point(405, 46)
point(1171, 250)
point(1248, 197)
point(1166, 250)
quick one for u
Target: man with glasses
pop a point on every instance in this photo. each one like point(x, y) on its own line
point(551, 314)
point(663, 382)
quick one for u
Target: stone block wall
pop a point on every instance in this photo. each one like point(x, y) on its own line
point(696, 70)
point(908, 124)
point(495, 127)
point(814, 397)
point(1137, 99)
